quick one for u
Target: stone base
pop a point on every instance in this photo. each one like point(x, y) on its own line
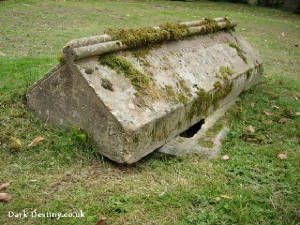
point(206, 142)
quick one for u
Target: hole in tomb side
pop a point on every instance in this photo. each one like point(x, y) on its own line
point(192, 130)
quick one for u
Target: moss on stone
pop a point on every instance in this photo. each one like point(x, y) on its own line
point(225, 72)
point(135, 138)
point(239, 52)
point(182, 98)
point(249, 73)
point(88, 70)
point(217, 84)
point(149, 36)
point(185, 88)
point(139, 81)
point(205, 143)
point(105, 83)
point(171, 95)
point(215, 129)
point(204, 100)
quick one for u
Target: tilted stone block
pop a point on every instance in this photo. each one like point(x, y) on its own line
point(133, 101)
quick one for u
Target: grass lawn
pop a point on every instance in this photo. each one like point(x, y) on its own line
point(65, 174)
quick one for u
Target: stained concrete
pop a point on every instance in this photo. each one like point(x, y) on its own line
point(123, 129)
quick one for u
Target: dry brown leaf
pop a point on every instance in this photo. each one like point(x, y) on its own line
point(226, 196)
point(101, 220)
point(267, 113)
point(5, 197)
point(282, 156)
point(225, 157)
point(275, 107)
point(251, 140)
point(282, 120)
point(36, 141)
point(297, 113)
point(4, 186)
point(251, 129)
point(217, 199)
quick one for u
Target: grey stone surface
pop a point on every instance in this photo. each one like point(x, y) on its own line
point(193, 145)
point(124, 130)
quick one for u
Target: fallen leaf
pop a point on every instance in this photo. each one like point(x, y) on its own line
point(282, 34)
point(297, 113)
point(217, 199)
point(36, 141)
point(267, 113)
point(225, 157)
point(251, 139)
point(101, 220)
point(2, 54)
point(5, 197)
point(282, 120)
point(282, 156)
point(226, 196)
point(250, 129)
point(275, 107)
point(4, 186)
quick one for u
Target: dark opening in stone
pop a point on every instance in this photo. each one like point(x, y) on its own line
point(192, 130)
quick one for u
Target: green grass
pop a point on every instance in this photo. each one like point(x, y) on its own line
point(64, 174)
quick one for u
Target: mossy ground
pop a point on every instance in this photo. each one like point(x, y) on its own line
point(65, 174)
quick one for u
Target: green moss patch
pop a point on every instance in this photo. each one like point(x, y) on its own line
point(105, 83)
point(182, 98)
point(185, 88)
point(239, 51)
point(139, 81)
point(149, 36)
point(249, 73)
point(205, 99)
point(216, 128)
point(205, 143)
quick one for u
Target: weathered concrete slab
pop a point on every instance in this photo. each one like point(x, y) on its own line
point(134, 101)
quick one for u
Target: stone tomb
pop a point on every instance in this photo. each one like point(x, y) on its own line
point(134, 99)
